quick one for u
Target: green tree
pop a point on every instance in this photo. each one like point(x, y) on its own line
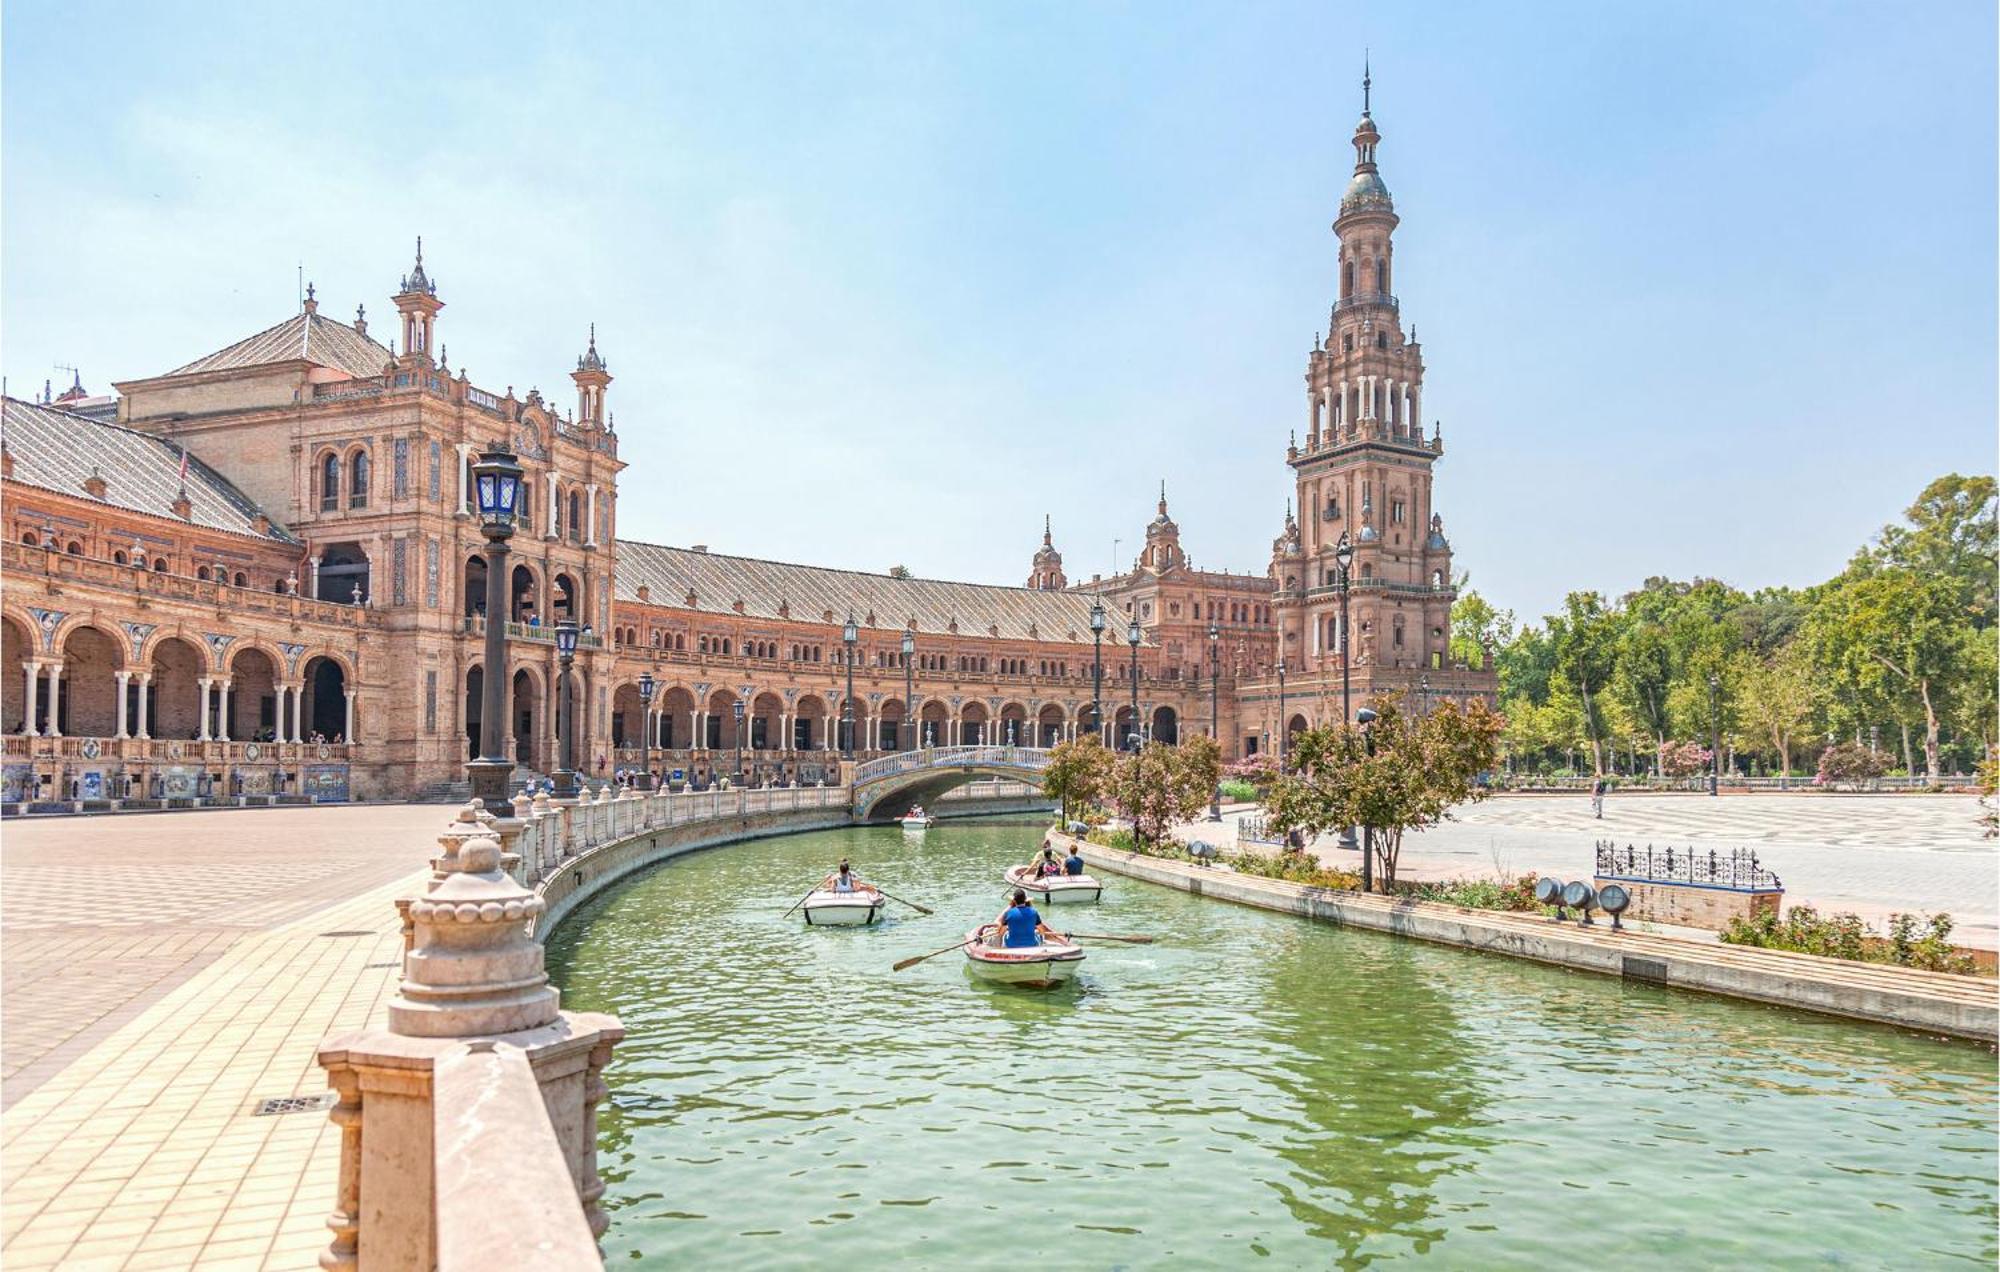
point(1777, 696)
point(1644, 677)
point(1902, 631)
point(1407, 773)
point(1477, 628)
point(1585, 636)
point(1078, 774)
point(1161, 784)
point(1951, 535)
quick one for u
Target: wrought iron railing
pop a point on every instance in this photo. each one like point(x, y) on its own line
point(1738, 868)
point(1258, 830)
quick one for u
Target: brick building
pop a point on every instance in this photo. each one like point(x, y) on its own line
point(260, 574)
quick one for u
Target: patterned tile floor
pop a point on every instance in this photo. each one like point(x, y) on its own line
point(1872, 854)
point(162, 974)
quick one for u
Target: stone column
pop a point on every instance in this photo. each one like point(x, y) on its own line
point(31, 673)
point(312, 576)
point(124, 678)
point(590, 516)
point(55, 699)
point(348, 732)
point(201, 735)
point(145, 723)
point(222, 709)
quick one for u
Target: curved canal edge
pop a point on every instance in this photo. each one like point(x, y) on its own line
point(579, 878)
point(1934, 1002)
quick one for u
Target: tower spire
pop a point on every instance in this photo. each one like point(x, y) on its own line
point(1367, 81)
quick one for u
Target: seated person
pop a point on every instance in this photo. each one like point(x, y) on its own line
point(1047, 867)
point(1073, 864)
point(1020, 926)
point(844, 880)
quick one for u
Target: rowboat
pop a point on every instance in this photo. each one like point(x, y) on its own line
point(1056, 889)
point(1042, 966)
point(917, 820)
point(826, 908)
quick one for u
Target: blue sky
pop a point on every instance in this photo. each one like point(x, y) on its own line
point(1703, 287)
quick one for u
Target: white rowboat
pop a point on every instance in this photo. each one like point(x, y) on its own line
point(1056, 889)
point(826, 908)
point(1042, 966)
point(917, 822)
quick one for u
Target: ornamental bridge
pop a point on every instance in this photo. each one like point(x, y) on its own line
point(885, 788)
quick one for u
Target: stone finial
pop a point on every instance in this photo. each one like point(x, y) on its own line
point(522, 802)
point(465, 824)
point(543, 804)
point(474, 969)
point(604, 793)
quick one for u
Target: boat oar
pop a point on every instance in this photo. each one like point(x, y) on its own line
point(802, 900)
point(1129, 940)
point(913, 905)
point(912, 962)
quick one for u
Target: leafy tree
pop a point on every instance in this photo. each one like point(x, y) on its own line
point(1777, 696)
point(1477, 627)
point(1900, 630)
point(1644, 677)
point(1161, 784)
point(1951, 536)
point(1078, 774)
point(1585, 637)
point(1420, 767)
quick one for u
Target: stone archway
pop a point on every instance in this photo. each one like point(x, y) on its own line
point(1013, 730)
point(522, 594)
point(17, 650)
point(766, 713)
point(973, 719)
point(475, 691)
point(91, 660)
point(526, 709)
point(174, 703)
point(1049, 724)
point(474, 587)
point(628, 716)
point(933, 724)
point(809, 724)
point(676, 720)
point(1166, 725)
point(721, 722)
point(1122, 729)
point(342, 574)
point(327, 714)
point(254, 709)
point(890, 735)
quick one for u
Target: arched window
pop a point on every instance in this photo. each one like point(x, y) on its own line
point(575, 516)
point(75, 548)
point(201, 572)
point(160, 565)
point(119, 556)
point(357, 485)
point(329, 483)
point(241, 578)
point(1347, 280)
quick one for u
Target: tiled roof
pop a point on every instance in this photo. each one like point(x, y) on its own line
point(309, 337)
point(58, 451)
point(809, 592)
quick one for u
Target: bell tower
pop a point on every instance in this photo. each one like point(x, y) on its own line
point(1365, 468)
point(593, 377)
point(418, 303)
point(1046, 573)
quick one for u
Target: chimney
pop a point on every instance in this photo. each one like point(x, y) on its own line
point(183, 506)
point(95, 485)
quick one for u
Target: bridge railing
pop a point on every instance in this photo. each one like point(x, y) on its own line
point(1025, 757)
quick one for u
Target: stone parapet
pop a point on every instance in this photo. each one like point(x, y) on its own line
point(1935, 1002)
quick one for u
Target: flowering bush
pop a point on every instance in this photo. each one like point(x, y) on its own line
point(1684, 759)
point(1257, 770)
point(1848, 762)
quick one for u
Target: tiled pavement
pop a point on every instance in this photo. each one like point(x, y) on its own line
point(1872, 854)
point(148, 1043)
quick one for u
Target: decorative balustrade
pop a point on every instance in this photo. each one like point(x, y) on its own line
point(1738, 868)
point(1356, 299)
point(475, 625)
point(127, 579)
point(1024, 757)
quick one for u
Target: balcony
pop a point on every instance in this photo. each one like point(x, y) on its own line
point(1359, 299)
point(475, 625)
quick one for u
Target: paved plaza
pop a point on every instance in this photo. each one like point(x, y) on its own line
point(163, 974)
point(1872, 854)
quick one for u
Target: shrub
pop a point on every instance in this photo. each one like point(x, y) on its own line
point(1912, 941)
point(1848, 762)
point(1240, 791)
point(1482, 894)
point(1684, 759)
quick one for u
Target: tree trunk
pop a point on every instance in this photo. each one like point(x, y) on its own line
point(1392, 846)
point(1930, 732)
point(1909, 760)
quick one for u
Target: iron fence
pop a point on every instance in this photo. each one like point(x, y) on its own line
point(1738, 868)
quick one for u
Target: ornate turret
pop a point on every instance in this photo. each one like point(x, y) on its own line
point(1047, 572)
point(593, 377)
point(418, 303)
point(1163, 538)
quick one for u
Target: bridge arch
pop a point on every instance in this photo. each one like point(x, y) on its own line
point(885, 788)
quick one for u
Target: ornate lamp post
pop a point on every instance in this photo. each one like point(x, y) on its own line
point(1343, 554)
point(1214, 732)
point(646, 687)
point(1424, 695)
point(566, 634)
point(1097, 668)
point(737, 707)
point(1281, 713)
point(848, 635)
point(497, 484)
point(1132, 638)
point(1714, 733)
point(909, 692)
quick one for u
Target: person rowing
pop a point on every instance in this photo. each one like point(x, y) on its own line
point(1021, 927)
point(844, 880)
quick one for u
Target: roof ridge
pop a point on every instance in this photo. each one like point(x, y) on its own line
point(842, 569)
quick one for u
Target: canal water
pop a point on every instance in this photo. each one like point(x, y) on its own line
point(1252, 1090)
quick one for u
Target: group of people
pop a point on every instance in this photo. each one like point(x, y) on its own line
point(1020, 923)
point(1049, 868)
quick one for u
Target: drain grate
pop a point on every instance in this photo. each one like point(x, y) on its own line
point(349, 932)
point(295, 1104)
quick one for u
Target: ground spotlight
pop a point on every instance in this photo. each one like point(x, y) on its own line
point(1550, 892)
point(1580, 896)
point(1614, 901)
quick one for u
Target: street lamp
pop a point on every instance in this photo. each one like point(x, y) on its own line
point(566, 634)
point(1424, 697)
point(1132, 638)
point(646, 687)
point(1097, 667)
point(1281, 713)
point(1343, 554)
point(1714, 734)
point(909, 689)
point(738, 709)
point(497, 486)
point(1367, 719)
point(848, 635)
point(1214, 733)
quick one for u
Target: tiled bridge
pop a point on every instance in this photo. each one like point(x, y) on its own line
point(887, 787)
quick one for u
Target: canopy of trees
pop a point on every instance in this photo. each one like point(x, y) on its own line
point(1897, 652)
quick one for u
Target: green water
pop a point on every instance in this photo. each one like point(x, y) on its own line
point(1255, 1090)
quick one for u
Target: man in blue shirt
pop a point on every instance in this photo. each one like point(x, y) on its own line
point(1073, 864)
point(1020, 925)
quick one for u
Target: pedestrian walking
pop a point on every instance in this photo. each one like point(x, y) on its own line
point(1597, 797)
